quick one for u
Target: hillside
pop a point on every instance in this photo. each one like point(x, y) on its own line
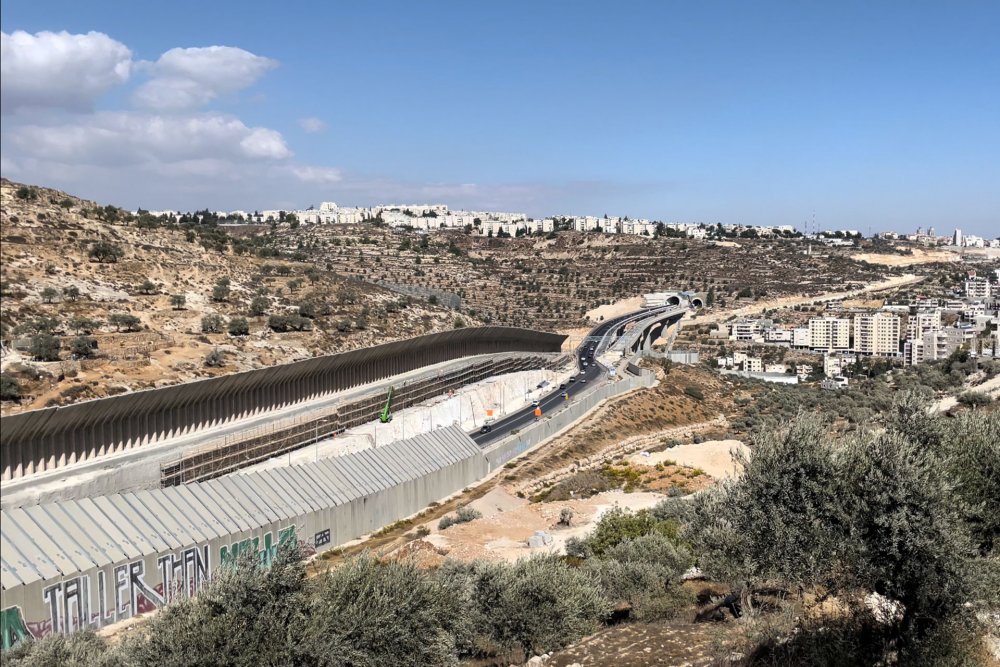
point(551, 282)
point(148, 311)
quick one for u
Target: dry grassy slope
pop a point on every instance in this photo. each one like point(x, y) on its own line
point(45, 245)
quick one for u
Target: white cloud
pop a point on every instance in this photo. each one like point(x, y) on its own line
point(59, 70)
point(126, 138)
point(190, 78)
point(312, 124)
point(317, 175)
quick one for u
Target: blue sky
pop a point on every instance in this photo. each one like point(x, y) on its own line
point(872, 115)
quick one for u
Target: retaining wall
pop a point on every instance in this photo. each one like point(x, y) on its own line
point(50, 438)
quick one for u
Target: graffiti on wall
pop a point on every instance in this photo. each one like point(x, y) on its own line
point(91, 601)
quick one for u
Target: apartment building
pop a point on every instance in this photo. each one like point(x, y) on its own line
point(877, 334)
point(977, 288)
point(919, 324)
point(745, 330)
point(829, 333)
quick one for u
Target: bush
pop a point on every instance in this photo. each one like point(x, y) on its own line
point(26, 193)
point(10, 388)
point(694, 392)
point(83, 346)
point(463, 514)
point(44, 347)
point(974, 399)
point(147, 287)
point(215, 359)
point(367, 612)
point(212, 324)
point(238, 326)
point(106, 252)
point(535, 605)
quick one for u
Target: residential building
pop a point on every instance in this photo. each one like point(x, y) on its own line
point(800, 337)
point(919, 324)
point(775, 335)
point(977, 288)
point(877, 334)
point(745, 330)
point(829, 333)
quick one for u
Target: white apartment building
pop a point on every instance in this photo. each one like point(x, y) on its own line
point(776, 335)
point(745, 330)
point(829, 333)
point(800, 337)
point(977, 288)
point(919, 324)
point(877, 334)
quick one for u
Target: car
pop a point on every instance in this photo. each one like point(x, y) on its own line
point(585, 364)
point(572, 378)
point(562, 385)
point(534, 404)
point(486, 428)
point(583, 380)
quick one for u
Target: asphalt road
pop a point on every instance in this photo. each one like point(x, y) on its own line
point(585, 377)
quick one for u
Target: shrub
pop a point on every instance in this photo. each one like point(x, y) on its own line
point(83, 346)
point(238, 326)
point(215, 359)
point(618, 525)
point(212, 324)
point(974, 399)
point(44, 347)
point(694, 392)
point(26, 193)
point(106, 252)
point(535, 605)
point(147, 287)
point(10, 388)
point(367, 612)
point(463, 514)
point(458, 323)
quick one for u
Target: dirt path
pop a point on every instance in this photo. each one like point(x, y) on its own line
point(789, 301)
point(990, 388)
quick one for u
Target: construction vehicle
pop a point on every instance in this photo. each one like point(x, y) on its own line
point(385, 416)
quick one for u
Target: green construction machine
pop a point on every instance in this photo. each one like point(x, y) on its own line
point(385, 416)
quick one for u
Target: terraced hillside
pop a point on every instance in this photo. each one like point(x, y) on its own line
point(550, 283)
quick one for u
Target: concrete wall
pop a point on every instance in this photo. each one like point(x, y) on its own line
point(95, 562)
point(50, 438)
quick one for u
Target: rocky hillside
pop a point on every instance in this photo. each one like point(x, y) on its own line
point(98, 302)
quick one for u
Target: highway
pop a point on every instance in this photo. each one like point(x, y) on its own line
point(585, 377)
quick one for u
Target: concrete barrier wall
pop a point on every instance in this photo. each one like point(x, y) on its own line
point(96, 561)
point(50, 438)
